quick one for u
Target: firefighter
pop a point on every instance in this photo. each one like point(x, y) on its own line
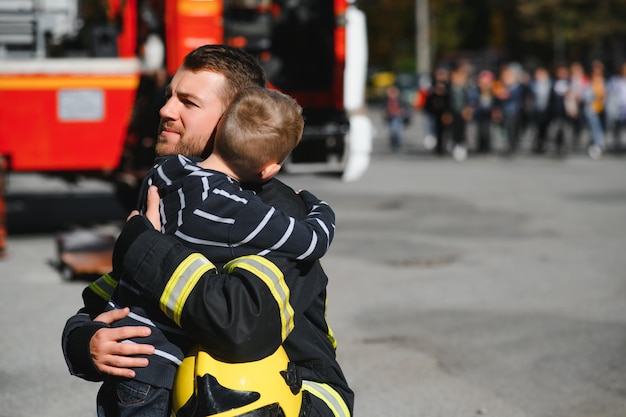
point(209, 212)
point(243, 313)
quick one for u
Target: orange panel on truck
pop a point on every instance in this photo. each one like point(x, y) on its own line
point(189, 24)
point(64, 121)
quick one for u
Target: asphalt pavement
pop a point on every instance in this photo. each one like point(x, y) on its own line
point(493, 287)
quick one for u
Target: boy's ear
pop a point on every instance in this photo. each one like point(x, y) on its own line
point(269, 171)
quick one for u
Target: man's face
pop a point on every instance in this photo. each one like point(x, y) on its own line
point(191, 112)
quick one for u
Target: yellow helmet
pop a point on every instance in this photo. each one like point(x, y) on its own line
point(205, 386)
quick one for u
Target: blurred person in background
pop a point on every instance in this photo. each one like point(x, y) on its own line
point(540, 87)
point(460, 111)
point(579, 83)
point(616, 106)
point(396, 115)
point(483, 103)
point(509, 93)
point(594, 97)
point(436, 105)
point(563, 107)
point(424, 88)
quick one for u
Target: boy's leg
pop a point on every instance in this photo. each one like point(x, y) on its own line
point(126, 398)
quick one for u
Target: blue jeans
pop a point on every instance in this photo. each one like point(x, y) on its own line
point(127, 397)
point(396, 126)
point(595, 125)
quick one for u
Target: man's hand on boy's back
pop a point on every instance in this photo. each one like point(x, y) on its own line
point(113, 358)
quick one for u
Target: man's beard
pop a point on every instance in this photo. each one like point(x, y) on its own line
point(162, 148)
point(185, 146)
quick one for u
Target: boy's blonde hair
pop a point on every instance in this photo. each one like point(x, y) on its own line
point(260, 127)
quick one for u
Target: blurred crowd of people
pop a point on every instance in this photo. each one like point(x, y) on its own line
point(563, 108)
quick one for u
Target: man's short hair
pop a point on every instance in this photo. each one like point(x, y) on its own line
point(261, 126)
point(239, 68)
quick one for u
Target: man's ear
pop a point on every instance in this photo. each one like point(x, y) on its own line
point(269, 171)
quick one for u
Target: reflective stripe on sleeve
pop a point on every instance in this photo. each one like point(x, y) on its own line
point(330, 335)
point(326, 393)
point(274, 279)
point(104, 286)
point(180, 284)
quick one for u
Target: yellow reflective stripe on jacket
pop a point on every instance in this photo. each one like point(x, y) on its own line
point(326, 393)
point(180, 284)
point(273, 277)
point(330, 334)
point(104, 286)
point(331, 337)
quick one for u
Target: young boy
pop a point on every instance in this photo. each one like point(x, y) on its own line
point(203, 205)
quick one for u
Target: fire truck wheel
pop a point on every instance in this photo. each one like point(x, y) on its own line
point(67, 273)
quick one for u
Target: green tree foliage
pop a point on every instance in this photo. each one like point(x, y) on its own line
point(576, 29)
point(528, 31)
point(391, 28)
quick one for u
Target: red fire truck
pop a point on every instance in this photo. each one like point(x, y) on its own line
point(71, 72)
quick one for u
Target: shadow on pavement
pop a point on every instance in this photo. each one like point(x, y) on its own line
point(29, 213)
